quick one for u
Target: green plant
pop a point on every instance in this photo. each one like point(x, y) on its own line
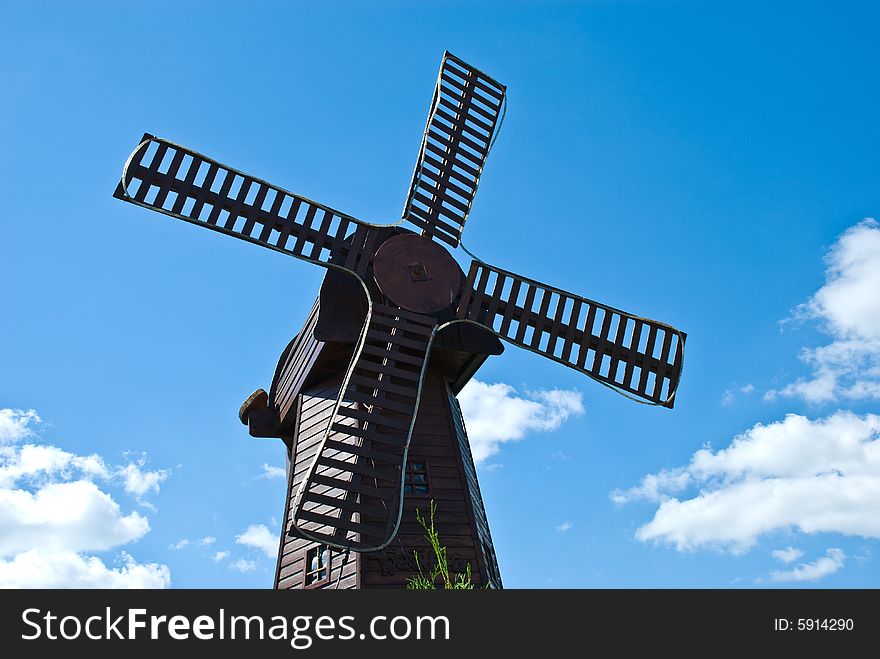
point(450, 581)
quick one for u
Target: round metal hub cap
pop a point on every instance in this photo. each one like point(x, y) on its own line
point(416, 273)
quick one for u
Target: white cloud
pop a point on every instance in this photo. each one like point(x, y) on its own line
point(54, 568)
point(140, 482)
point(220, 556)
point(565, 526)
point(15, 425)
point(260, 537)
point(730, 394)
point(243, 566)
point(52, 513)
point(273, 472)
point(787, 555)
point(828, 564)
point(812, 475)
point(207, 541)
point(495, 414)
point(655, 487)
point(847, 307)
point(36, 462)
point(75, 516)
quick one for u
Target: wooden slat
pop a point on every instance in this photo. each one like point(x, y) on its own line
point(634, 345)
point(384, 402)
point(387, 369)
point(342, 523)
point(510, 307)
point(377, 335)
point(403, 358)
point(345, 486)
point(569, 331)
point(526, 314)
point(556, 327)
point(361, 450)
point(262, 192)
point(618, 344)
point(381, 420)
point(541, 318)
point(397, 439)
point(186, 187)
point(355, 507)
point(649, 350)
point(664, 365)
point(165, 188)
point(479, 293)
point(356, 468)
point(223, 193)
point(586, 337)
point(364, 381)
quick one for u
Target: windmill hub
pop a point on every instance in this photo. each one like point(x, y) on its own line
point(417, 273)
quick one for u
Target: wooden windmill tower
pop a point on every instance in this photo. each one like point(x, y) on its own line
point(364, 395)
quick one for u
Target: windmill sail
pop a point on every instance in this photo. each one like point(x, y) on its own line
point(184, 184)
point(461, 126)
point(641, 357)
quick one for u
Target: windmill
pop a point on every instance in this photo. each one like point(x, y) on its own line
point(364, 396)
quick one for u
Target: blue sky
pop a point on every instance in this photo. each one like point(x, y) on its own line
point(689, 163)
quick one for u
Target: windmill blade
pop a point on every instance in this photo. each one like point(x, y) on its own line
point(640, 357)
point(461, 126)
point(184, 184)
point(352, 495)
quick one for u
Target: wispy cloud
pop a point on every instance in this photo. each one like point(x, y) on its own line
point(818, 569)
point(207, 541)
point(787, 555)
point(242, 565)
point(270, 471)
point(220, 556)
point(731, 394)
point(259, 537)
point(564, 527)
point(140, 482)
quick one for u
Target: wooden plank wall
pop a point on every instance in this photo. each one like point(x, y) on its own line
point(486, 547)
point(296, 368)
point(313, 417)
